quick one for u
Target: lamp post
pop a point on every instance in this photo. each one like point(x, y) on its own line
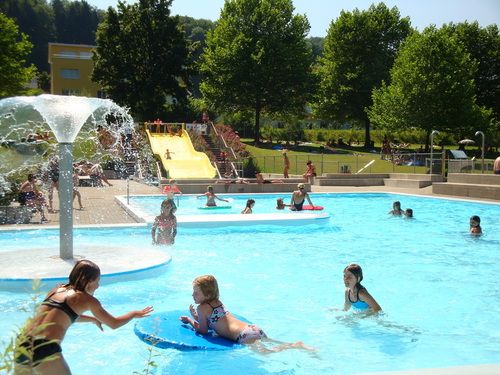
point(432, 147)
point(482, 151)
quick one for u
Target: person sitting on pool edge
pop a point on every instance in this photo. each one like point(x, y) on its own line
point(211, 197)
point(298, 197)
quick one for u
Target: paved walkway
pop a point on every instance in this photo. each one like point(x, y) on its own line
point(100, 205)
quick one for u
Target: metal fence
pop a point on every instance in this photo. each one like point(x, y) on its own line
point(416, 163)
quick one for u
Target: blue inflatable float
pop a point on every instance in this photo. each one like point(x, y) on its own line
point(165, 331)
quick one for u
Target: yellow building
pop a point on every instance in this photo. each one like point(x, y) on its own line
point(70, 69)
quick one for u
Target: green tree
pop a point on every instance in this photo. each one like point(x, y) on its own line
point(483, 45)
point(14, 50)
point(36, 20)
point(360, 49)
point(44, 82)
point(432, 88)
point(196, 30)
point(257, 59)
point(142, 58)
point(317, 45)
point(75, 22)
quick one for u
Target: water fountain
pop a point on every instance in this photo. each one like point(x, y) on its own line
point(66, 116)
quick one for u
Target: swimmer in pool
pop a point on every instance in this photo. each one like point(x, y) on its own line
point(298, 198)
point(475, 225)
point(212, 314)
point(248, 208)
point(64, 305)
point(356, 294)
point(408, 213)
point(166, 223)
point(280, 204)
point(211, 197)
point(396, 209)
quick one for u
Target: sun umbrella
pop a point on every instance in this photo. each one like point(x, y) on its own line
point(466, 142)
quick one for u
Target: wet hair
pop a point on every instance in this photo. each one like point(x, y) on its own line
point(398, 203)
point(249, 202)
point(83, 273)
point(210, 189)
point(356, 271)
point(165, 203)
point(409, 212)
point(208, 286)
point(476, 218)
point(280, 204)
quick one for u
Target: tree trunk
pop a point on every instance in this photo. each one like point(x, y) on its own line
point(368, 140)
point(257, 124)
point(427, 140)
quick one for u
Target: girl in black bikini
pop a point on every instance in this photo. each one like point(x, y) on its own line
point(64, 305)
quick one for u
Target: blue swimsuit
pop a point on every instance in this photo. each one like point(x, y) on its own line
point(360, 305)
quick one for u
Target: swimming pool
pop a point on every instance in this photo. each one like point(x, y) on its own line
point(438, 286)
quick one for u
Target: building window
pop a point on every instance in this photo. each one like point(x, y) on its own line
point(69, 53)
point(101, 94)
point(85, 55)
point(70, 73)
point(70, 92)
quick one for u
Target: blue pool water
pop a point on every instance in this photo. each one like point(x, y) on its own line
point(190, 205)
point(439, 288)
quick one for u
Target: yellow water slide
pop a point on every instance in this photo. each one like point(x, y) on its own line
point(185, 161)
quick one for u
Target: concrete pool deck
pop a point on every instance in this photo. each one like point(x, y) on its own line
point(103, 210)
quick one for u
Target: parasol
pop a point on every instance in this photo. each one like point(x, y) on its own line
point(466, 142)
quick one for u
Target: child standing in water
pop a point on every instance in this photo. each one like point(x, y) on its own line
point(166, 222)
point(248, 208)
point(356, 294)
point(211, 197)
point(475, 225)
point(396, 209)
point(64, 305)
point(212, 314)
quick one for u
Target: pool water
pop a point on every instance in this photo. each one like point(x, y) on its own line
point(190, 205)
point(439, 288)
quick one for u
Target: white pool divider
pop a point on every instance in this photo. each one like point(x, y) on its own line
point(279, 219)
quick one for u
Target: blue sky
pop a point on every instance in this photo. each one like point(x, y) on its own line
point(320, 13)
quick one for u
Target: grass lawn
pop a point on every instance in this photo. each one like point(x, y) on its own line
point(270, 160)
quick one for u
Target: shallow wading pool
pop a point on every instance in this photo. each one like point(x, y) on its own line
point(439, 288)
